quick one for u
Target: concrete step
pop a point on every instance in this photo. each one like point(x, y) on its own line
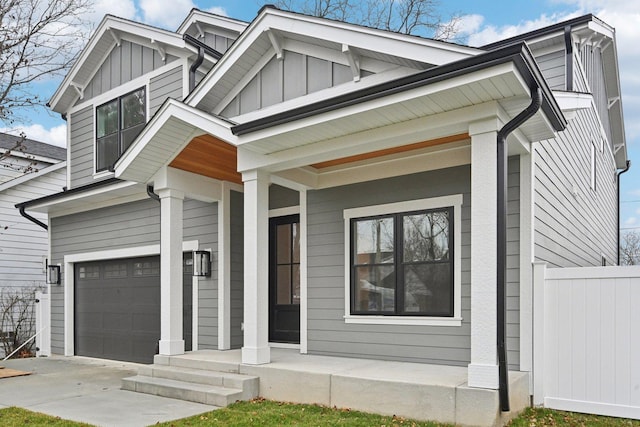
point(201, 364)
point(193, 392)
point(247, 383)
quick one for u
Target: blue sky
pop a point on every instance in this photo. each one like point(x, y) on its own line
point(483, 21)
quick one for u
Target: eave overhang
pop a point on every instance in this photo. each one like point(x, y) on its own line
point(91, 196)
point(504, 76)
point(108, 34)
point(169, 131)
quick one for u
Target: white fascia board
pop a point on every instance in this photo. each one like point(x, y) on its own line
point(199, 121)
point(194, 186)
point(570, 102)
point(109, 23)
point(213, 20)
point(28, 156)
point(30, 176)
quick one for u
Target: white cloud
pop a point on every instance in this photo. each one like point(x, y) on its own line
point(631, 221)
point(165, 14)
point(217, 10)
point(57, 135)
point(122, 8)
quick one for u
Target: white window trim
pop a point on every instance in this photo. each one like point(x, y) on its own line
point(454, 201)
point(593, 164)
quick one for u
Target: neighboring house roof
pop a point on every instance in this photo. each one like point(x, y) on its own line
point(26, 177)
point(33, 147)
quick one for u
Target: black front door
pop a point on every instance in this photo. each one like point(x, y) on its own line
point(284, 279)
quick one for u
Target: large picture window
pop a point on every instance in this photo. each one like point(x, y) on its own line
point(118, 122)
point(403, 261)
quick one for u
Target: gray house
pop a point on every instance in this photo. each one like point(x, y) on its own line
point(360, 194)
point(28, 170)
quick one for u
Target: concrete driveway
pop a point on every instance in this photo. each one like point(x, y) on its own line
point(88, 390)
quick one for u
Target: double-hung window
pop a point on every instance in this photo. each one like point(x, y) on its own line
point(118, 122)
point(404, 263)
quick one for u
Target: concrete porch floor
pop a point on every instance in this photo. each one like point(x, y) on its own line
point(420, 391)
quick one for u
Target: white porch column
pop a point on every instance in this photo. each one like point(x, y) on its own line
point(224, 268)
point(483, 369)
point(171, 340)
point(256, 268)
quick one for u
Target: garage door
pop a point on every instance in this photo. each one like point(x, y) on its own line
point(117, 308)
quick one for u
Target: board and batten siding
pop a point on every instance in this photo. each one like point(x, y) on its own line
point(124, 63)
point(127, 226)
point(591, 58)
point(328, 334)
point(166, 85)
point(574, 224)
point(23, 244)
point(81, 165)
point(280, 80)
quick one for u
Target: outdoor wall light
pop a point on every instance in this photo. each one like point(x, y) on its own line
point(201, 263)
point(53, 274)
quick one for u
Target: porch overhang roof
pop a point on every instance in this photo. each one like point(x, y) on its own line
point(169, 131)
point(100, 193)
point(504, 77)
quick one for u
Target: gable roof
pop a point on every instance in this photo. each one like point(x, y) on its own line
point(111, 30)
point(584, 29)
point(274, 30)
point(33, 147)
point(197, 16)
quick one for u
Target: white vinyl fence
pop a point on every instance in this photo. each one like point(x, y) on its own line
point(587, 339)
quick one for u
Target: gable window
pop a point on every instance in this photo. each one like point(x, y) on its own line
point(403, 262)
point(118, 122)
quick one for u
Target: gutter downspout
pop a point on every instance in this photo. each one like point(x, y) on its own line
point(32, 219)
point(513, 124)
point(618, 227)
point(192, 70)
point(152, 194)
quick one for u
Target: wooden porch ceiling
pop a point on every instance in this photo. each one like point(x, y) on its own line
point(214, 158)
point(389, 151)
point(211, 157)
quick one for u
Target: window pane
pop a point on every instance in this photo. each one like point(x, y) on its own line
point(107, 151)
point(426, 236)
point(428, 288)
point(107, 118)
point(374, 241)
point(283, 284)
point(133, 109)
point(128, 135)
point(375, 288)
point(296, 284)
point(295, 228)
point(283, 244)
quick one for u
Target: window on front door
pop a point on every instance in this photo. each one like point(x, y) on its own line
point(118, 123)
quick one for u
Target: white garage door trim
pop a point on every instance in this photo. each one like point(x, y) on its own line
point(139, 251)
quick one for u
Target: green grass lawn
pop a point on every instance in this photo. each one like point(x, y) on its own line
point(267, 413)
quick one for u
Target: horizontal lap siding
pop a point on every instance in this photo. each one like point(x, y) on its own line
point(574, 224)
point(126, 226)
point(23, 244)
point(166, 85)
point(328, 333)
point(201, 224)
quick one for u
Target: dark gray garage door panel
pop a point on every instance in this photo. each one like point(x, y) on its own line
point(117, 309)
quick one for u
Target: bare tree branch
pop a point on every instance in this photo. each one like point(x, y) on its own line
point(630, 248)
point(38, 40)
point(417, 17)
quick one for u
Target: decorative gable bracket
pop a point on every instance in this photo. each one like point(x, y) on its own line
point(115, 35)
point(354, 61)
point(78, 88)
point(161, 49)
point(276, 42)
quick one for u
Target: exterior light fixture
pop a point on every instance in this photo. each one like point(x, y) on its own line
point(53, 274)
point(201, 263)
